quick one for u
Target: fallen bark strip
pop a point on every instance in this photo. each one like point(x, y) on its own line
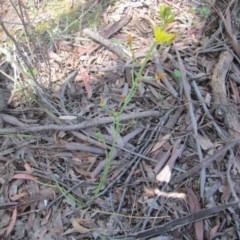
point(225, 109)
point(83, 125)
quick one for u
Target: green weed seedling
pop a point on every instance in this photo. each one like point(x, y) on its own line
point(177, 73)
point(204, 11)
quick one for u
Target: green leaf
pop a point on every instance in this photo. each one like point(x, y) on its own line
point(165, 11)
point(205, 11)
point(170, 19)
point(177, 73)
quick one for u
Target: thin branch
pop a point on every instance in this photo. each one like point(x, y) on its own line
point(107, 44)
point(187, 88)
point(83, 125)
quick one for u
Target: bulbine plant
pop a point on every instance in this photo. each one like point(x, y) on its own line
point(160, 36)
point(160, 31)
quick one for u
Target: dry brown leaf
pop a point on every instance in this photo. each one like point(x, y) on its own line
point(28, 167)
point(86, 80)
point(165, 174)
point(12, 222)
point(194, 206)
point(160, 142)
point(16, 197)
point(79, 228)
point(24, 176)
point(213, 231)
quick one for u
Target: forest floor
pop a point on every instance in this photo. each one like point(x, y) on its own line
point(104, 137)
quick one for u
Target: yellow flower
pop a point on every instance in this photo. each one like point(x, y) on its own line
point(162, 36)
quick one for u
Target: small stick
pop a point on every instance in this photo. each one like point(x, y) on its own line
point(83, 125)
point(107, 44)
point(187, 89)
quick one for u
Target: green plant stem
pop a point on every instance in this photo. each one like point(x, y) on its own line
point(136, 81)
point(116, 130)
point(66, 194)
